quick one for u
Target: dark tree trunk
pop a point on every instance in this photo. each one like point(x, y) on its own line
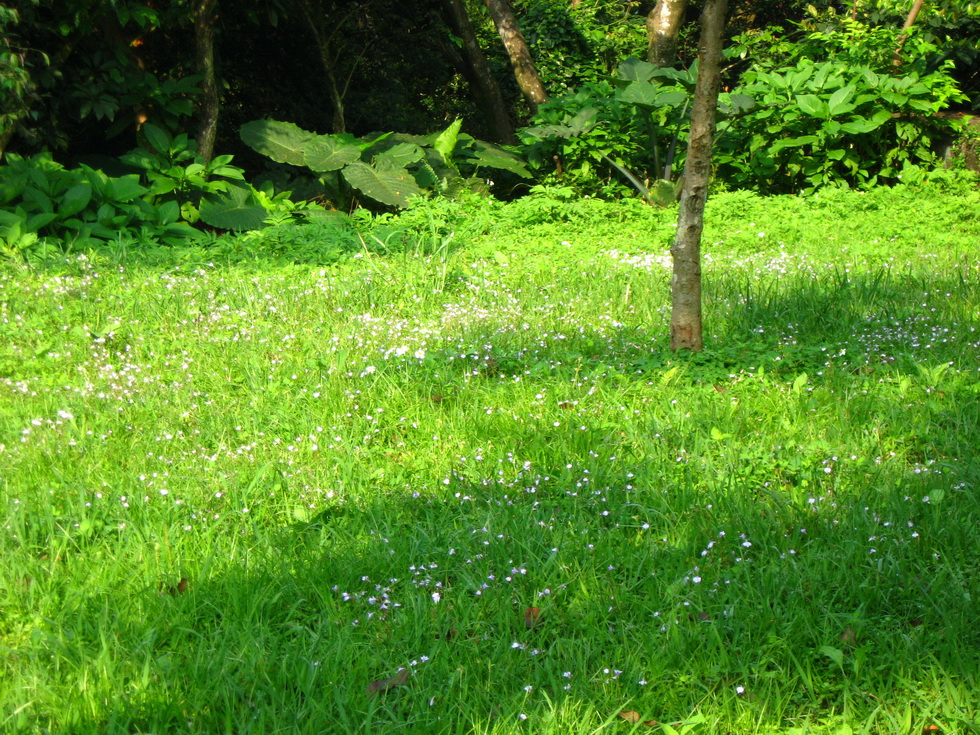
point(520, 56)
point(472, 64)
point(205, 15)
point(338, 122)
point(685, 285)
point(663, 25)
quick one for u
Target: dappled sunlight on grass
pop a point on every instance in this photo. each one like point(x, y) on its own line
point(242, 497)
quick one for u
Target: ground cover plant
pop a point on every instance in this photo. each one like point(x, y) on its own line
point(463, 486)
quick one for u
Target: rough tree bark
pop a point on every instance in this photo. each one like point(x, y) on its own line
point(909, 22)
point(472, 64)
point(520, 56)
point(205, 14)
point(685, 285)
point(663, 25)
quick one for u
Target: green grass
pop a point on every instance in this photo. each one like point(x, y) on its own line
point(382, 464)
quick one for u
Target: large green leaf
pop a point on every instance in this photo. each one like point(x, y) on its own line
point(401, 155)
point(812, 105)
point(445, 143)
point(492, 156)
point(543, 132)
point(636, 70)
point(644, 94)
point(840, 101)
point(124, 189)
point(236, 209)
point(281, 141)
point(866, 125)
point(388, 185)
point(327, 153)
point(75, 200)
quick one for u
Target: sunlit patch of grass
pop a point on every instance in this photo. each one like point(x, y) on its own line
point(236, 496)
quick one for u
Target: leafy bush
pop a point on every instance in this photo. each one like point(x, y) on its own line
point(823, 123)
point(80, 207)
point(631, 129)
point(389, 168)
point(44, 206)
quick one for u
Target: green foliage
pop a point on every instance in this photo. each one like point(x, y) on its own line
point(244, 495)
point(820, 124)
point(15, 77)
point(576, 45)
point(45, 207)
point(615, 132)
point(174, 172)
point(390, 169)
point(81, 207)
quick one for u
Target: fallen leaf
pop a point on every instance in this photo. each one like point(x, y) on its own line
point(633, 717)
point(180, 589)
point(385, 685)
point(531, 617)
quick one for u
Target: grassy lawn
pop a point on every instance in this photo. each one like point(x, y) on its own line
point(465, 487)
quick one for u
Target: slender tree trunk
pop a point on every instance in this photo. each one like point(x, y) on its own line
point(685, 286)
point(663, 24)
point(473, 65)
point(520, 56)
point(338, 122)
point(909, 22)
point(205, 15)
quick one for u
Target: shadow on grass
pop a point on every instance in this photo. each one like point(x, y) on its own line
point(290, 633)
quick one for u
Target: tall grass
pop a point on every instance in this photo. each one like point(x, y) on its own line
point(244, 497)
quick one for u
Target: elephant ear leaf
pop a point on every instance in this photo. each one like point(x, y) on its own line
point(401, 155)
point(235, 209)
point(329, 153)
point(445, 142)
point(281, 141)
point(386, 183)
point(492, 156)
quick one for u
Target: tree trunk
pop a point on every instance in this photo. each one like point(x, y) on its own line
point(663, 24)
point(338, 122)
point(472, 64)
point(685, 285)
point(205, 15)
point(520, 57)
point(909, 21)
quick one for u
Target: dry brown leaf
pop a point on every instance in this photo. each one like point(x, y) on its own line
point(531, 616)
point(180, 589)
point(384, 685)
point(633, 717)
